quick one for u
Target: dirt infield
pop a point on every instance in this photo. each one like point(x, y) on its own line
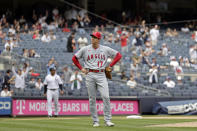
point(171, 117)
point(182, 124)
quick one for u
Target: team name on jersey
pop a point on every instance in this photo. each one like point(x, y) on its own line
point(96, 56)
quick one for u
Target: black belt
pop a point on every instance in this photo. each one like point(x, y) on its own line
point(52, 89)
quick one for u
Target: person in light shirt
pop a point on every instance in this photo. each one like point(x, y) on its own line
point(169, 83)
point(46, 38)
point(154, 34)
point(5, 92)
point(131, 83)
point(20, 77)
point(193, 53)
point(174, 63)
point(75, 79)
point(39, 84)
point(82, 41)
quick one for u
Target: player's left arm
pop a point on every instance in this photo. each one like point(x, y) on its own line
point(60, 85)
point(45, 86)
point(115, 54)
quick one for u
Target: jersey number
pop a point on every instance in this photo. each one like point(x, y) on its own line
point(100, 63)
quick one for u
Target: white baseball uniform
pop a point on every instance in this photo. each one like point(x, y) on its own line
point(52, 83)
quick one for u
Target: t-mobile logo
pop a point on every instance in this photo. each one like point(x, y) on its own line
point(20, 106)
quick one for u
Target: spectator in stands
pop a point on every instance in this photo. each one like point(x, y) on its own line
point(55, 13)
point(2, 35)
point(123, 76)
point(15, 42)
point(164, 50)
point(144, 59)
point(33, 54)
point(178, 72)
point(25, 53)
point(76, 80)
point(7, 79)
point(75, 26)
point(131, 82)
point(5, 92)
point(181, 61)
point(71, 42)
point(46, 38)
point(52, 35)
point(149, 49)
point(82, 41)
point(174, 63)
point(51, 64)
point(12, 30)
point(10, 44)
point(179, 81)
point(52, 26)
point(169, 32)
point(7, 53)
point(175, 33)
point(194, 36)
point(22, 20)
point(32, 81)
point(187, 63)
point(134, 69)
point(124, 40)
point(65, 29)
point(137, 42)
point(20, 78)
point(185, 29)
point(154, 34)
point(67, 72)
point(193, 53)
point(135, 58)
point(169, 83)
point(39, 84)
point(86, 20)
point(73, 13)
point(36, 35)
point(153, 76)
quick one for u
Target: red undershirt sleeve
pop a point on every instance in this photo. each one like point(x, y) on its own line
point(76, 62)
point(116, 59)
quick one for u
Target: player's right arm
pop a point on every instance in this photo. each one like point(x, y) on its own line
point(77, 56)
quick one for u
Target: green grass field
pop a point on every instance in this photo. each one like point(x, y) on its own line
point(85, 124)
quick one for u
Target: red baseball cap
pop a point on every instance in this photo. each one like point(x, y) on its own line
point(96, 34)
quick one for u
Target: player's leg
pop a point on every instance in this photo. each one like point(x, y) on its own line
point(91, 87)
point(104, 91)
point(49, 102)
point(56, 98)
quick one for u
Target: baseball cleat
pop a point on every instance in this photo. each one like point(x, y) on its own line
point(49, 116)
point(96, 124)
point(109, 123)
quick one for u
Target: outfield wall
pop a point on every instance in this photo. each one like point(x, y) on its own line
point(36, 106)
point(71, 107)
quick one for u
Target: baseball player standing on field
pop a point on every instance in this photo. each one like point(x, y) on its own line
point(52, 83)
point(95, 61)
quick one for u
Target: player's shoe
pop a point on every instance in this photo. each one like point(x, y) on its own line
point(49, 116)
point(109, 123)
point(96, 124)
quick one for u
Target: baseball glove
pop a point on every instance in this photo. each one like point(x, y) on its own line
point(108, 72)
